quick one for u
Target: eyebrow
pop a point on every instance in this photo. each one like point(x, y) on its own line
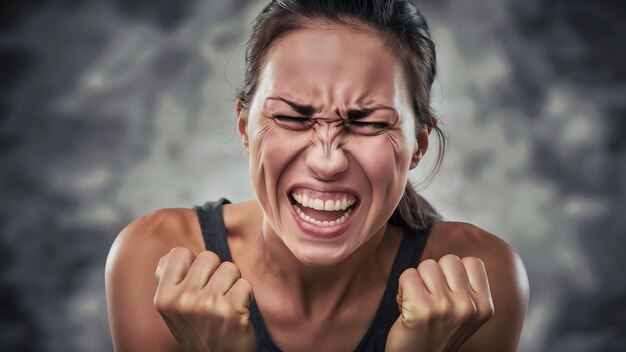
point(306, 110)
point(353, 114)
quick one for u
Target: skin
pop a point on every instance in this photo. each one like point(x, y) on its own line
point(329, 289)
point(325, 157)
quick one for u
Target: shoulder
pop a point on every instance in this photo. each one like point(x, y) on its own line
point(507, 279)
point(164, 227)
point(502, 262)
point(149, 237)
point(467, 240)
point(130, 281)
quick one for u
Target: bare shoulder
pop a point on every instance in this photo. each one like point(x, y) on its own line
point(165, 227)
point(507, 279)
point(463, 239)
point(130, 281)
point(467, 240)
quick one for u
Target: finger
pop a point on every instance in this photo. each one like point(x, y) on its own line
point(240, 295)
point(454, 272)
point(159, 270)
point(476, 274)
point(433, 277)
point(477, 277)
point(201, 270)
point(176, 266)
point(413, 298)
point(411, 286)
point(223, 278)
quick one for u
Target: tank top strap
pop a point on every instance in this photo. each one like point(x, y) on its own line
point(408, 256)
point(213, 230)
point(210, 216)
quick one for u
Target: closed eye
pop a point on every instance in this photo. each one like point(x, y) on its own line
point(370, 124)
point(294, 123)
point(368, 127)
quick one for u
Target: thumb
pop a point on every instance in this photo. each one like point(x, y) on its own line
point(240, 295)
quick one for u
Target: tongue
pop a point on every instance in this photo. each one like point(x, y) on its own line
point(323, 215)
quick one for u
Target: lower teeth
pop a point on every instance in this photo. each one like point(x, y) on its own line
point(308, 219)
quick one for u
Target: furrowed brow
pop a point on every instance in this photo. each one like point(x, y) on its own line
point(306, 110)
point(355, 114)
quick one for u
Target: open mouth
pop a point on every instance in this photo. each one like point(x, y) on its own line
point(323, 209)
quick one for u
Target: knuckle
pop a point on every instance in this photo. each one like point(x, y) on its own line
point(162, 260)
point(218, 308)
point(487, 312)
point(427, 263)
point(182, 252)
point(491, 310)
point(240, 321)
point(161, 303)
point(185, 303)
point(245, 283)
point(428, 267)
point(246, 287)
point(473, 261)
point(209, 257)
point(466, 309)
point(449, 259)
point(442, 309)
point(407, 276)
point(230, 267)
point(209, 303)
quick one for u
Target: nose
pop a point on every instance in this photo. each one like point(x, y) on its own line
point(328, 162)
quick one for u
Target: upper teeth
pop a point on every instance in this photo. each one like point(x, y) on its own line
point(328, 205)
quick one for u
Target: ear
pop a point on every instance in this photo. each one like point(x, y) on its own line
point(422, 143)
point(242, 125)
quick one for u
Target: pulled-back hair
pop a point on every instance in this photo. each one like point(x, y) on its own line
point(403, 27)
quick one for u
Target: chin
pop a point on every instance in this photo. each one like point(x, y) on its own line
point(319, 257)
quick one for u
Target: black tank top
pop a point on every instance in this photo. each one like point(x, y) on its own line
point(408, 255)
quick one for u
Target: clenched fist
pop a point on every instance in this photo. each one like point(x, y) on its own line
point(441, 305)
point(204, 303)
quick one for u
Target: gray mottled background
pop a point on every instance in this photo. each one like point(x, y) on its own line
point(112, 109)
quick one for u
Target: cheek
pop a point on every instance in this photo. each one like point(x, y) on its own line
point(384, 158)
point(385, 163)
point(272, 149)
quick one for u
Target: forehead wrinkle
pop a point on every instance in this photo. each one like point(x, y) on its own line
point(319, 111)
point(340, 111)
point(347, 88)
point(326, 107)
point(316, 98)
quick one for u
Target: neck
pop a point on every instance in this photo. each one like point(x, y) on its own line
point(324, 288)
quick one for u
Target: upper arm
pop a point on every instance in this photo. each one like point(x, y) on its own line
point(508, 283)
point(135, 323)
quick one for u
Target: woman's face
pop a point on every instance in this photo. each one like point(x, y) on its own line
point(331, 139)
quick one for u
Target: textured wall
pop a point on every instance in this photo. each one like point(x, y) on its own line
point(112, 109)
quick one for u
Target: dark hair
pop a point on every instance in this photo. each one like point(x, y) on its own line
point(404, 27)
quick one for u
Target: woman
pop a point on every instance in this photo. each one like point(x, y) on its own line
point(337, 252)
